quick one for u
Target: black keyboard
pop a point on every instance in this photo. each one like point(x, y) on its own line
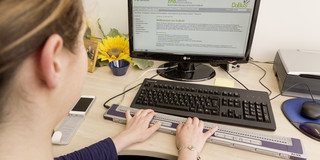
point(238, 107)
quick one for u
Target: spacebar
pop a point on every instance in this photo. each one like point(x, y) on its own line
point(169, 106)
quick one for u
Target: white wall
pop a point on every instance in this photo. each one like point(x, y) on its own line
point(288, 24)
point(112, 14)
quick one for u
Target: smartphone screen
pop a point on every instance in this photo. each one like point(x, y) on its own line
point(83, 104)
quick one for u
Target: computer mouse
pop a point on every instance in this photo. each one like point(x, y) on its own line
point(310, 110)
point(313, 129)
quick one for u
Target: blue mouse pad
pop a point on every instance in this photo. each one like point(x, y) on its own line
point(291, 109)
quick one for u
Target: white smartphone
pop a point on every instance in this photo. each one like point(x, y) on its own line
point(83, 105)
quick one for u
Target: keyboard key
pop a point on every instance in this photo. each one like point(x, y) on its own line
point(172, 106)
point(266, 118)
point(215, 112)
point(238, 116)
point(207, 111)
point(224, 114)
point(250, 117)
point(199, 110)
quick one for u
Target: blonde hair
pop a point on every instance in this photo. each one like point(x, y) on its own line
point(25, 25)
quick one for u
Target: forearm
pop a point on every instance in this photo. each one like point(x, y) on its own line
point(121, 142)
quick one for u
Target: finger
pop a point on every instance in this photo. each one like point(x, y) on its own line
point(128, 115)
point(210, 132)
point(138, 112)
point(146, 112)
point(195, 121)
point(179, 127)
point(154, 128)
point(201, 125)
point(149, 117)
point(189, 120)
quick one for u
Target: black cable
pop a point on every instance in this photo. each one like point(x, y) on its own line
point(270, 62)
point(275, 97)
point(264, 74)
point(105, 103)
point(267, 62)
point(236, 80)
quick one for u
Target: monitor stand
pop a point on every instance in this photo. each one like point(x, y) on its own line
point(186, 71)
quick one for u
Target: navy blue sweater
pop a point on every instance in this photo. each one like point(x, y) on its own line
point(103, 150)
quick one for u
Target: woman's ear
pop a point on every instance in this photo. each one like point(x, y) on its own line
point(49, 60)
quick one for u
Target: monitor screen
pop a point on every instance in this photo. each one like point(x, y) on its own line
point(190, 31)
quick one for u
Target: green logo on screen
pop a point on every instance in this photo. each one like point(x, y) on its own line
point(172, 1)
point(243, 4)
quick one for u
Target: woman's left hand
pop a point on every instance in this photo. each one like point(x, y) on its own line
point(137, 129)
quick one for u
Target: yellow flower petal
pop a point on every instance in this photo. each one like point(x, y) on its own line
point(114, 42)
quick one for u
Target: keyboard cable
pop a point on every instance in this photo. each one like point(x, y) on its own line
point(264, 74)
point(236, 80)
point(125, 90)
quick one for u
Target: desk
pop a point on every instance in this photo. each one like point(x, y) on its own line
point(104, 85)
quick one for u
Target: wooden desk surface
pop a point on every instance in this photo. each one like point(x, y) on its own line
point(104, 85)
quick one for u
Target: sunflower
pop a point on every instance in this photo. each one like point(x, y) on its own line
point(114, 48)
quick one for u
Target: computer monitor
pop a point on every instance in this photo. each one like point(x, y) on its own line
point(187, 33)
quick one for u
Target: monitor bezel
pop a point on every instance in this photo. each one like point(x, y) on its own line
point(173, 57)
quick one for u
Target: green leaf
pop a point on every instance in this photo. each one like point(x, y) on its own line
point(99, 39)
point(114, 33)
point(99, 25)
point(142, 63)
point(87, 34)
point(102, 63)
point(126, 35)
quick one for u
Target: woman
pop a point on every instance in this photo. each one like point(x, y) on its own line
point(43, 64)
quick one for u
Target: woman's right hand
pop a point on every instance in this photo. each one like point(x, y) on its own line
point(191, 134)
